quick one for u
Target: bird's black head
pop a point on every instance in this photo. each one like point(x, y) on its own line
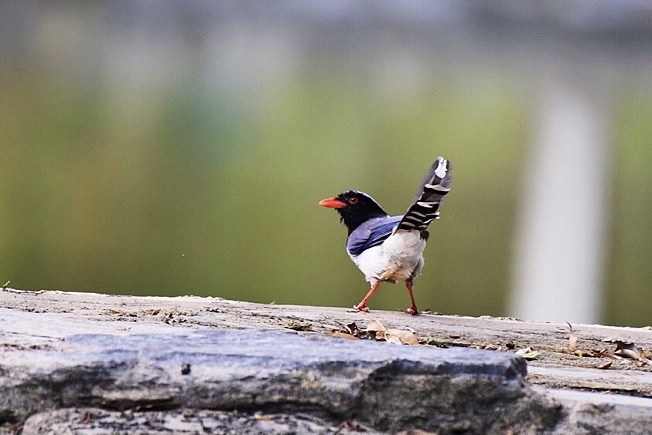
point(354, 208)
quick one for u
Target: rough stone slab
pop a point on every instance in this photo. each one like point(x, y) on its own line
point(376, 384)
point(111, 364)
point(98, 421)
point(636, 382)
point(585, 413)
point(67, 313)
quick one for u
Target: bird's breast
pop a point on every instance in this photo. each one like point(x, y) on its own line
point(404, 245)
point(398, 258)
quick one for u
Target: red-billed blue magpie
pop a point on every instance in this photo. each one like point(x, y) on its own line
point(390, 248)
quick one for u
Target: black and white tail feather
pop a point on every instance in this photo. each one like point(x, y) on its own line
point(425, 206)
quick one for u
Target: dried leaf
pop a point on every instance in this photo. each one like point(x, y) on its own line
point(375, 326)
point(377, 330)
point(572, 339)
point(628, 353)
point(527, 353)
point(602, 353)
point(605, 365)
point(403, 337)
point(630, 350)
point(531, 355)
point(572, 343)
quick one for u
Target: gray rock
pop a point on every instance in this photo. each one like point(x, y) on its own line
point(97, 421)
point(252, 381)
point(95, 364)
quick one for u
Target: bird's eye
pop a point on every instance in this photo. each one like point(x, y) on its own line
point(353, 200)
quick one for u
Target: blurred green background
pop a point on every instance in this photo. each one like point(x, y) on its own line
point(180, 152)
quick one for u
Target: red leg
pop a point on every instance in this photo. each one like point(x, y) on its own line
point(413, 309)
point(362, 306)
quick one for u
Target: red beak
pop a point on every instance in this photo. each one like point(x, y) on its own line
point(332, 203)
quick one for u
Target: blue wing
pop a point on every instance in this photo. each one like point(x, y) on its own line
point(371, 233)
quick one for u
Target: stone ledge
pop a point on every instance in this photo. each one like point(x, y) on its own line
point(99, 363)
point(385, 387)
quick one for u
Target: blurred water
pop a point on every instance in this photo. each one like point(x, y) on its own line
point(181, 148)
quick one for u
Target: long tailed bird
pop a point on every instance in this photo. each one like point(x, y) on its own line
point(390, 248)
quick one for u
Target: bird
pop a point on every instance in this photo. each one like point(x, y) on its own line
point(390, 248)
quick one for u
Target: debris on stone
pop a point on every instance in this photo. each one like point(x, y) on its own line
point(379, 332)
point(527, 353)
point(606, 365)
point(572, 339)
point(630, 350)
point(353, 329)
point(298, 326)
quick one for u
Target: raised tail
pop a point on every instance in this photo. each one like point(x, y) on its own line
point(425, 206)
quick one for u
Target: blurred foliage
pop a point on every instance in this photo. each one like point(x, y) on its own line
point(207, 190)
point(629, 276)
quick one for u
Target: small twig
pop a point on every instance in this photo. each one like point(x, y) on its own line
point(5, 288)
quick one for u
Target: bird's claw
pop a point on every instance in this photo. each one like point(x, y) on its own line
point(360, 307)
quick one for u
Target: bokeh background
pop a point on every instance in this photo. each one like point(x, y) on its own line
point(177, 147)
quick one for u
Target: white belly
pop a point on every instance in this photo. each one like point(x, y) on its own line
point(399, 258)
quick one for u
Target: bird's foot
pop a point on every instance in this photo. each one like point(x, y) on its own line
point(361, 307)
point(412, 310)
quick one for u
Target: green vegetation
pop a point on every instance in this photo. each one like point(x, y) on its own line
point(192, 190)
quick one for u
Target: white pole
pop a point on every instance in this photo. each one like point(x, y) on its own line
point(561, 228)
